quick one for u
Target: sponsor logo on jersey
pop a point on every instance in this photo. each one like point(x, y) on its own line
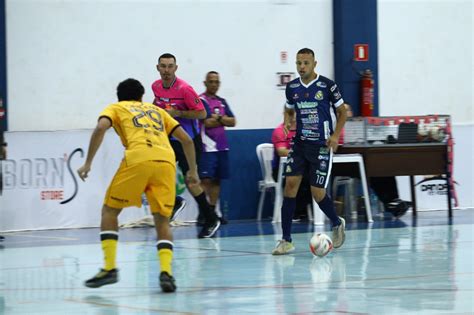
point(323, 157)
point(294, 85)
point(307, 104)
point(321, 173)
point(323, 165)
point(288, 169)
point(308, 111)
point(310, 126)
point(323, 150)
point(319, 95)
point(295, 97)
point(321, 84)
point(310, 120)
point(333, 87)
point(337, 95)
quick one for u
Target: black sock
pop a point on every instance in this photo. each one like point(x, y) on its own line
point(327, 206)
point(204, 208)
point(287, 210)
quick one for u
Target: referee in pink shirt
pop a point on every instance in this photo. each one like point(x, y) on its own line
point(180, 100)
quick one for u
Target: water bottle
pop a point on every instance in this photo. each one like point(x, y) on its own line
point(374, 205)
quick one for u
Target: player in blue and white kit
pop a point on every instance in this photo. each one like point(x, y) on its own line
point(320, 117)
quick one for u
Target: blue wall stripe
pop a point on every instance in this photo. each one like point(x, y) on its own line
point(355, 22)
point(239, 194)
point(3, 64)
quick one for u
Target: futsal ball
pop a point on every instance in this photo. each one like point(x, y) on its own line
point(320, 244)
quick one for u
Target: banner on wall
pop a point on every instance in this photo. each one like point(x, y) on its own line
point(431, 192)
point(41, 189)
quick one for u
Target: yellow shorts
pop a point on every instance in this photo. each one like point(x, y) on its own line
point(156, 178)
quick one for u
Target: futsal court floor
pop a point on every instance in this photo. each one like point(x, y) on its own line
point(422, 266)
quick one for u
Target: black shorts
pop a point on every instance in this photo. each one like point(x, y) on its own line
point(312, 159)
point(181, 158)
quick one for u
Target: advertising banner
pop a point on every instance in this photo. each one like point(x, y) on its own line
point(41, 189)
point(431, 192)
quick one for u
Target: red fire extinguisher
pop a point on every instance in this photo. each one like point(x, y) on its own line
point(367, 94)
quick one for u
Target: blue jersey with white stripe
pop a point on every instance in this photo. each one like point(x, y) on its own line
point(315, 105)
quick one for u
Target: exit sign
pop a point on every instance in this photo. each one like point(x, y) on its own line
point(361, 52)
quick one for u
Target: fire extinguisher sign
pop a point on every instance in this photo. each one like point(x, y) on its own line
point(361, 52)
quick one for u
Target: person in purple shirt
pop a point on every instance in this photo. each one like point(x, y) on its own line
point(214, 162)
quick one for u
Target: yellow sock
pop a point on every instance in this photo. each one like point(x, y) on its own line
point(109, 240)
point(165, 256)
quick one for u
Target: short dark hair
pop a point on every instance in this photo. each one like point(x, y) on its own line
point(211, 72)
point(130, 90)
point(167, 55)
point(305, 51)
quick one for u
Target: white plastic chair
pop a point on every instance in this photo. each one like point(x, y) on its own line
point(279, 191)
point(265, 153)
point(350, 185)
point(348, 158)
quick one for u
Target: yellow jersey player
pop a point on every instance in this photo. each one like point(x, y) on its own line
point(148, 166)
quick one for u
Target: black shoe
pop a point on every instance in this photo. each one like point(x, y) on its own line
point(400, 213)
point(167, 282)
point(179, 205)
point(102, 278)
point(200, 220)
point(397, 207)
point(1, 238)
point(209, 229)
point(223, 221)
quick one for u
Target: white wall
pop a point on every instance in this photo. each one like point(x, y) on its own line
point(426, 67)
point(65, 58)
point(425, 58)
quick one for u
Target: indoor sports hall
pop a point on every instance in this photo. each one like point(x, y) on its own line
point(402, 176)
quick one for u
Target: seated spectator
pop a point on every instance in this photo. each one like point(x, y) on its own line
point(282, 143)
